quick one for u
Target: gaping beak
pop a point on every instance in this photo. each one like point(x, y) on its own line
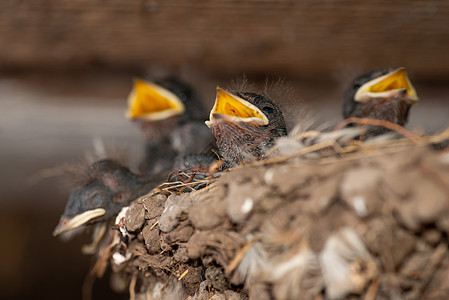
point(151, 102)
point(66, 224)
point(389, 85)
point(232, 108)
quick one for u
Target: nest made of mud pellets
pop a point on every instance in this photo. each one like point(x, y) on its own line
point(326, 217)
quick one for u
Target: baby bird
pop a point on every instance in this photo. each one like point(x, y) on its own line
point(171, 116)
point(383, 94)
point(104, 190)
point(245, 125)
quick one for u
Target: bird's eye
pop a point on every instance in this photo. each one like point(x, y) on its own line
point(267, 110)
point(356, 86)
point(118, 197)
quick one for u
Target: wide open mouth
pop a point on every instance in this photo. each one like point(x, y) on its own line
point(149, 101)
point(66, 224)
point(388, 85)
point(232, 108)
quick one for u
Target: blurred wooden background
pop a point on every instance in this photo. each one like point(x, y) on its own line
point(306, 38)
point(66, 69)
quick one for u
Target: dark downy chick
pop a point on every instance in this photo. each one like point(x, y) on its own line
point(383, 94)
point(171, 116)
point(104, 190)
point(245, 125)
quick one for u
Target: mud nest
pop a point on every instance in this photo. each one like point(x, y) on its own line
point(327, 217)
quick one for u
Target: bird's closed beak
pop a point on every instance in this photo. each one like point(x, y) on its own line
point(151, 102)
point(232, 108)
point(66, 224)
point(389, 85)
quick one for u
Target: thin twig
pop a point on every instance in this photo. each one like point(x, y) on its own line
point(386, 124)
point(439, 137)
point(132, 287)
point(371, 293)
point(152, 226)
point(88, 286)
point(239, 256)
point(183, 274)
point(283, 158)
point(435, 261)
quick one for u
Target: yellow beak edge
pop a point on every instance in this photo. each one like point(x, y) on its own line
point(151, 102)
point(234, 109)
point(66, 224)
point(387, 85)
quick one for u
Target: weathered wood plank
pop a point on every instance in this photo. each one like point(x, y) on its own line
point(303, 38)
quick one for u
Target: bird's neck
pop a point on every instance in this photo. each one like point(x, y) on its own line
point(394, 110)
point(159, 156)
point(237, 143)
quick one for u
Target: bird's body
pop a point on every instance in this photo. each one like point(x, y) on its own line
point(245, 125)
point(382, 94)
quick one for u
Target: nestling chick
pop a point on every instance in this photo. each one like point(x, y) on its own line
point(383, 94)
point(245, 125)
point(171, 116)
point(105, 189)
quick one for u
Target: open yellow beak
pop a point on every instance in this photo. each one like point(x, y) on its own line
point(66, 224)
point(151, 102)
point(388, 85)
point(234, 109)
